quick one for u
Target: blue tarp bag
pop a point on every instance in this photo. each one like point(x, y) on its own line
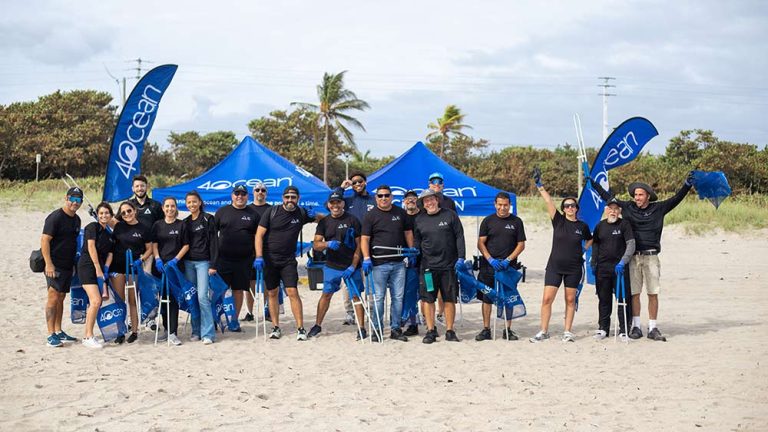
point(712, 186)
point(183, 291)
point(78, 301)
point(228, 305)
point(216, 290)
point(510, 298)
point(111, 317)
point(469, 286)
point(149, 292)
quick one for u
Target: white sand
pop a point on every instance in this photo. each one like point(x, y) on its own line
point(707, 377)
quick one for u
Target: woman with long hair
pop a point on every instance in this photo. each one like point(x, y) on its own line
point(169, 245)
point(197, 263)
point(93, 267)
point(128, 234)
point(570, 238)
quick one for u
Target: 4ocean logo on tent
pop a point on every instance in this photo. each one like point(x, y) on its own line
point(249, 183)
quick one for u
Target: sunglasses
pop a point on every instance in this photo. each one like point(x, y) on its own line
point(126, 212)
point(436, 181)
point(291, 197)
point(357, 182)
point(240, 193)
point(383, 195)
point(259, 190)
point(570, 205)
point(77, 200)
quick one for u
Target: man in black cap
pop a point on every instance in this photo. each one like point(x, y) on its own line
point(411, 294)
point(58, 245)
point(260, 205)
point(275, 244)
point(613, 244)
point(646, 215)
point(148, 211)
point(360, 203)
point(235, 226)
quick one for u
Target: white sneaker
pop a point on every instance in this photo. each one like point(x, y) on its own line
point(276, 333)
point(162, 336)
point(600, 334)
point(194, 338)
point(541, 336)
point(568, 337)
point(174, 339)
point(207, 341)
point(91, 342)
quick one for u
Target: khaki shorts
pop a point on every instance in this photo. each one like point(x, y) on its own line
point(645, 270)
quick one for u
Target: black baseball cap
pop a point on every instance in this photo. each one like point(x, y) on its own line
point(75, 192)
point(239, 188)
point(291, 189)
point(411, 192)
point(336, 195)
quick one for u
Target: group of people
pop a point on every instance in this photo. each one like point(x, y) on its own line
point(411, 252)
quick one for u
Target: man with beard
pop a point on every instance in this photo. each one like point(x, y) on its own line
point(646, 215)
point(148, 211)
point(613, 245)
point(276, 238)
point(260, 206)
point(360, 203)
point(235, 227)
point(411, 294)
point(440, 237)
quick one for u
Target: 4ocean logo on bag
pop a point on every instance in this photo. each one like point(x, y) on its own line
point(110, 314)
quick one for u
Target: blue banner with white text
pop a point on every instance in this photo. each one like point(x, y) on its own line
point(132, 130)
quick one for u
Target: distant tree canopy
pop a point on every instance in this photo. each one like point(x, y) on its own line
point(72, 132)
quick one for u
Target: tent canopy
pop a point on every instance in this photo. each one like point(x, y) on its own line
point(411, 170)
point(248, 163)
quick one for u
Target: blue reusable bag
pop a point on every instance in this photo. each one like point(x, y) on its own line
point(509, 299)
point(222, 302)
point(183, 291)
point(111, 317)
point(149, 290)
point(78, 301)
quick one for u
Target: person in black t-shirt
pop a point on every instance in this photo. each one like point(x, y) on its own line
point(501, 239)
point(58, 244)
point(148, 211)
point(93, 267)
point(387, 226)
point(570, 238)
point(437, 185)
point(411, 292)
point(197, 263)
point(131, 235)
point(613, 245)
point(235, 226)
point(169, 245)
point(439, 235)
point(261, 206)
point(275, 244)
point(339, 236)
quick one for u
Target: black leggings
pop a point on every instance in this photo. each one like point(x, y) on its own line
point(606, 287)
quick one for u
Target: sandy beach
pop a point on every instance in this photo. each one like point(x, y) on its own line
point(710, 375)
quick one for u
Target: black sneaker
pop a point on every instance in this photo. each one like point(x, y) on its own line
point(314, 331)
point(655, 334)
point(361, 334)
point(301, 334)
point(412, 330)
point(485, 334)
point(450, 336)
point(635, 333)
point(430, 337)
point(509, 334)
point(120, 339)
point(132, 338)
point(374, 337)
point(248, 317)
point(397, 334)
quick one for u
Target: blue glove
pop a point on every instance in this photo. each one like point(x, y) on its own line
point(367, 265)
point(138, 265)
point(333, 244)
point(537, 177)
point(689, 179)
point(348, 272)
point(106, 271)
point(258, 264)
point(459, 264)
point(496, 264)
point(311, 212)
point(173, 262)
point(100, 282)
point(619, 269)
point(410, 261)
point(159, 264)
point(506, 263)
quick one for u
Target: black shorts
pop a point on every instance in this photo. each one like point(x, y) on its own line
point(286, 272)
point(555, 279)
point(444, 281)
point(236, 273)
point(61, 281)
point(485, 276)
point(86, 272)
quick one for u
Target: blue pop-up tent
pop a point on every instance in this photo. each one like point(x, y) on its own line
point(411, 171)
point(249, 163)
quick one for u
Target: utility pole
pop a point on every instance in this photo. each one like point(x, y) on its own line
point(139, 62)
point(605, 85)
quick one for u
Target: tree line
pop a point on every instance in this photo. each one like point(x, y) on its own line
point(72, 131)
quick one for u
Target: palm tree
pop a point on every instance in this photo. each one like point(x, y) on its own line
point(335, 100)
point(450, 123)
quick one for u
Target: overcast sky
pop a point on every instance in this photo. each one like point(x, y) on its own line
point(519, 70)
